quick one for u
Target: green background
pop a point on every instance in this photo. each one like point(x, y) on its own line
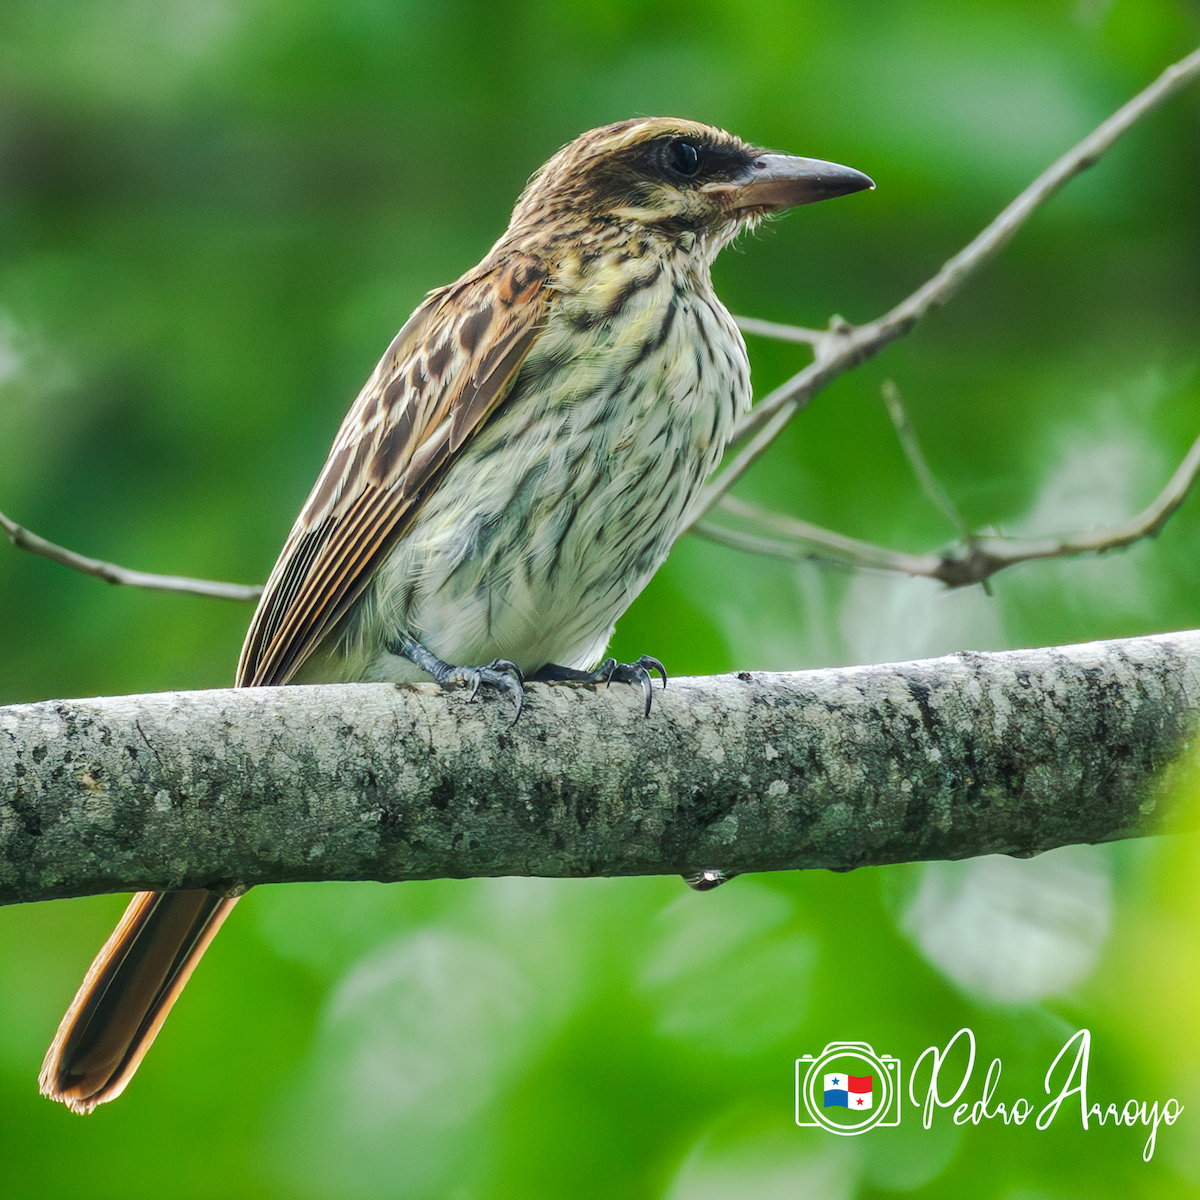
point(214, 214)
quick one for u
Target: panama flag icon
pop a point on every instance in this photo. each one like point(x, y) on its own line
point(848, 1091)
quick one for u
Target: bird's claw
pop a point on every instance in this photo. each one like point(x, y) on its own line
point(608, 671)
point(639, 672)
point(503, 675)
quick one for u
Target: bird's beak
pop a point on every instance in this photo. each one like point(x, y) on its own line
point(780, 181)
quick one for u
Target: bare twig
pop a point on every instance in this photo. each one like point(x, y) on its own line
point(837, 349)
point(781, 333)
point(23, 539)
point(843, 346)
point(974, 560)
point(911, 445)
point(801, 540)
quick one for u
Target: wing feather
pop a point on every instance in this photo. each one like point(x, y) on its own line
point(444, 374)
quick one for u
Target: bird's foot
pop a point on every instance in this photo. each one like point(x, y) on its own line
point(609, 671)
point(501, 674)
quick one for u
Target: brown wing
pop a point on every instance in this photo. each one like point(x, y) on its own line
point(446, 371)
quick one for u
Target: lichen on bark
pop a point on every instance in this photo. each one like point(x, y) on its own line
point(975, 753)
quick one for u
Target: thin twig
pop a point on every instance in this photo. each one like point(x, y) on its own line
point(781, 333)
point(836, 350)
point(23, 539)
point(911, 445)
point(974, 560)
point(843, 346)
point(800, 540)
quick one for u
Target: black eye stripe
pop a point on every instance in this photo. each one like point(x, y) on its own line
point(684, 160)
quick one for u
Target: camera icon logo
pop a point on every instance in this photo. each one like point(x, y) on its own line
point(848, 1089)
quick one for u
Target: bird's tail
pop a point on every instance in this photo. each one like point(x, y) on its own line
point(127, 993)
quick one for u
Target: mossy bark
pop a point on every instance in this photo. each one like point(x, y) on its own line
point(972, 754)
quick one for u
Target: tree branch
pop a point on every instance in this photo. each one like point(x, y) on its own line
point(973, 560)
point(843, 346)
point(837, 349)
point(977, 753)
point(23, 539)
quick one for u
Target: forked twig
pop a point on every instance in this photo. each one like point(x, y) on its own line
point(844, 346)
point(974, 560)
point(836, 350)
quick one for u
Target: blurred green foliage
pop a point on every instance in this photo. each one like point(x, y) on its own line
point(214, 214)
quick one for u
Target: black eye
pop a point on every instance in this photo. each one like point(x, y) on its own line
point(685, 158)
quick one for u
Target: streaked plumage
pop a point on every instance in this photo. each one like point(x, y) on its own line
point(559, 510)
point(511, 475)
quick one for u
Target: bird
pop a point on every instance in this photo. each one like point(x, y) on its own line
point(511, 475)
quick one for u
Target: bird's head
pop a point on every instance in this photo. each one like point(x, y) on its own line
point(674, 178)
